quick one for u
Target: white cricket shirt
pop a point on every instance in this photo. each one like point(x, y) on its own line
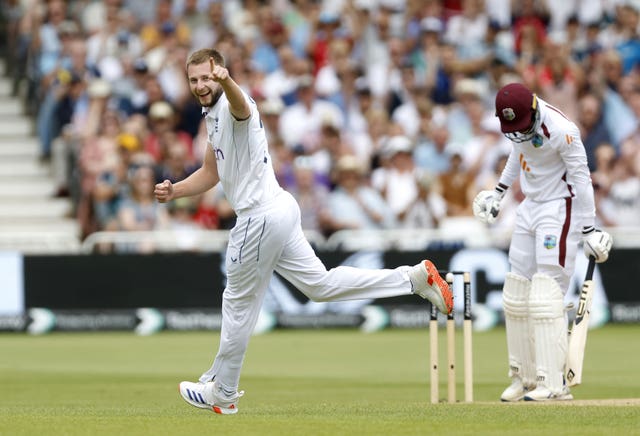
point(553, 165)
point(242, 156)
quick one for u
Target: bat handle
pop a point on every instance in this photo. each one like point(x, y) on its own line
point(590, 268)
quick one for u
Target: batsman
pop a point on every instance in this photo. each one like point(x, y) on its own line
point(558, 212)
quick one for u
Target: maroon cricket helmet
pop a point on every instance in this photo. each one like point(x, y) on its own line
point(515, 108)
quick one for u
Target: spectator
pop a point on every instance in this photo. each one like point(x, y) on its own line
point(56, 70)
point(352, 204)
point(181, 221)
point(328, 29)
point(602, 178)
point(48, 43)
point(153, 93)
point(396, 182)
point(429, 208)
point(558, 78)
point(164, 24)
point(431, 152)
point(330, 78)
point(177, 164)
point(271, 109)
point(139, 211)
point(311, 195)
point(273, 35)
point(281, 83)
point(300, 123)
point(621, 207)
point(357, 104)
point(112, 186)
point(458, 188)
point(130, 92)
point(592, 127)
point(467, 30)
point(376, 61)
point(64, 149)
point(112, 44)
point(162, 123)
point(331, 147)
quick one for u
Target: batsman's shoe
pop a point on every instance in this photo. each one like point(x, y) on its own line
point(209, 396)
point(428, 284)
point(515, 392)
point(542, 393)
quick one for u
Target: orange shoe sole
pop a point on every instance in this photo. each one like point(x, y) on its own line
point(434, 276)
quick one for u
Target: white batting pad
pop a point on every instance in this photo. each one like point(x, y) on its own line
point(515, 300)
point(549, 331)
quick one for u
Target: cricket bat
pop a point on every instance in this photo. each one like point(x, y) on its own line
point(578, 333)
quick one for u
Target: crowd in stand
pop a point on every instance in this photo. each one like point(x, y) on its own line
point(379, 113)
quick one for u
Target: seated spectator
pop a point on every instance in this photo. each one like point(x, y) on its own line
point(428, 208)
point(602, 178)
point(300, 123)
point(353, 204)
point(139, 211)
point(281, 83)
point(593, 130)
point(458, 188)
point(162, 123)
point(430, 153)
point(183, 224)
point(311, 195)
point(98, 153)
point(621, 206)
point(331, 147)
point(176, 165)
point(111, 187)
point(396, 181)
point(152, 32)
point(273, 35)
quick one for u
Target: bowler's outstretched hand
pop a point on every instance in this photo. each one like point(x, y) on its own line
point(218, 73)
point(164, 191)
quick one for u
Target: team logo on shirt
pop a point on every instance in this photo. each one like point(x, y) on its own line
point(508, 114)
point(550, 241)
point(537, 141)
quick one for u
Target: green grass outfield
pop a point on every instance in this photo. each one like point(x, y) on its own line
point(319, 382)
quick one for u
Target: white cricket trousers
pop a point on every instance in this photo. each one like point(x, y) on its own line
point(270, 238)
point(545, 240)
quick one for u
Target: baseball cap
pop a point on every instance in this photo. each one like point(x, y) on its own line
point(515, 106)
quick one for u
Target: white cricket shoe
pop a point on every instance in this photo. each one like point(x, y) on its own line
point(209, 396)
point(427, 283)
point(542, 393)
point(515, 392)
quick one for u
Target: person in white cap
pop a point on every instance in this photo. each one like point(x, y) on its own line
point(267, 235)
point(558, 211)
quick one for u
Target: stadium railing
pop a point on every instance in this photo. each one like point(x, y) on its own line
point(461, 233)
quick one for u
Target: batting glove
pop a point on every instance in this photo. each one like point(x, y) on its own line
point(596, 243)
point(486, 206)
